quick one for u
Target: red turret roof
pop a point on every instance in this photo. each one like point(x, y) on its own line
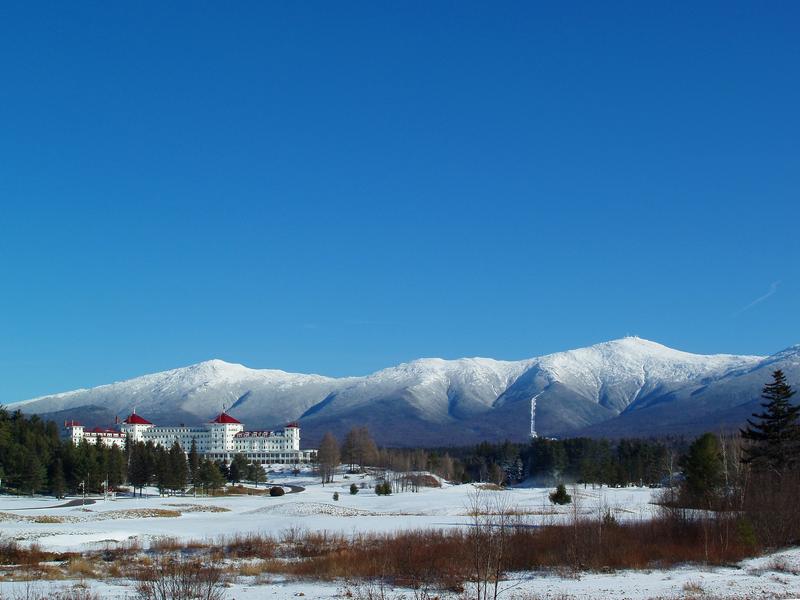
point(225, 418)
point(134, 419)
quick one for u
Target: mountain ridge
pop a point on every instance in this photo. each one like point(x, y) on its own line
point(433, 400)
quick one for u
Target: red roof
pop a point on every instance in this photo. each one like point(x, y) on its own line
point(134, 419)
point(224, 417)
point(293, 424)
point(72, 424)
point(102, 430)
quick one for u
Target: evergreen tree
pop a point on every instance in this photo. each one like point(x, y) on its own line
point(216, 478)
point(34, 474)
point(57, 483)
point(209, 475)
point(223, 469)
point(238, 468)
point(560, 496)
point(140, 466)
point(86, 465)
point(194, 463)
point(67, 455)
point(163, 469)
point(179, 468)
point(775, 436)
point(116, 470)
point(704, 470)
point(255, 473)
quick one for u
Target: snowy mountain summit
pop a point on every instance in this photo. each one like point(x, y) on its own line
point(645, 386)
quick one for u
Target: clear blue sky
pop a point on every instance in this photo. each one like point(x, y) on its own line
point(338, 187)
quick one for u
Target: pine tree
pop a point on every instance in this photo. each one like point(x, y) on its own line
point(560, 496)
point(140, 466)
point(238, 468)
point(116, 467)
point(163, 470)
point(775, 436)
point(178, 467)
point(33, 475)
point(86, 464)
point(255, 473)
point(210, 476)
point(194, 463)
point(703, 469)
point(57, 483)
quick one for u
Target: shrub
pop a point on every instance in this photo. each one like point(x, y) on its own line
point(422, 480)
point(383, 489)
point(560, 496)
point(180, 579)
point(276, 490)
point(335, 496)
point(746, 533)
point(609, 520)
point(353, 489)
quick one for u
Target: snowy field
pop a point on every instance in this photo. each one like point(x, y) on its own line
point(107, 523)
point(776, 576)
point(207, 519)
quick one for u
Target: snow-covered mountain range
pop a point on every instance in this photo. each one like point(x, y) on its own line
point(628, 386)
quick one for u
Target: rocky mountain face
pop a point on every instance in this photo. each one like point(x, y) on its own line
point(624, 387)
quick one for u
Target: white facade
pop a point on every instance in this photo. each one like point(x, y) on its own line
point(108, 437)
point(218, 440)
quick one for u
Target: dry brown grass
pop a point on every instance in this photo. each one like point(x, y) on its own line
point(489, 487)
point(11, 517)
point(137, 513)
point(78, 567)
point(48, 519)
point(193, 508)
point(422, 480)
point(254, 568)
point(428, 559)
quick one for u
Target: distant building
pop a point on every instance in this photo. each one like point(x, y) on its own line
point(219, 439)
point(108, 437)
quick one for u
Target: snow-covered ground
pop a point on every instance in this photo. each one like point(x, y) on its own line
point(775, 576)
point(91, 526)
point(110, 522)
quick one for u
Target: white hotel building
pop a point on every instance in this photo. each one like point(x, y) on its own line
point(219, 439)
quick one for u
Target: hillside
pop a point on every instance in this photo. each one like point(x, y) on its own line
point(628, 386)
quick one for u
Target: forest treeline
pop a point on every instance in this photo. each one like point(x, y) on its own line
point(542, 460)
point(34, 458)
